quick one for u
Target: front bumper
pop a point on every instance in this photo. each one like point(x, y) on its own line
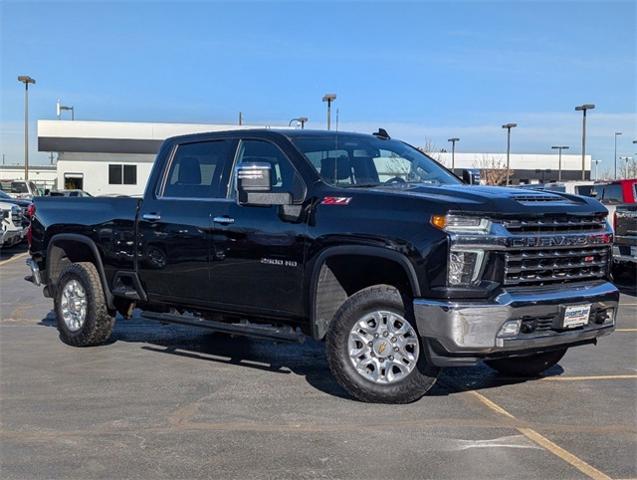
point(464, 332)
point(625, 249)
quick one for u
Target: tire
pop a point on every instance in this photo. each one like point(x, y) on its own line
point(97, 323)
point(529, 366)
point(383, 302)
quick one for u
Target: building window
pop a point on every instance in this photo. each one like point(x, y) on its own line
point(122, 174)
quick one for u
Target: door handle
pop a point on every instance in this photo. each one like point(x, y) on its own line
point(223, 220)
point(153, 217)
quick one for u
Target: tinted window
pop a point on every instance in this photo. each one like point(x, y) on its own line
point(344, 160)
point(130, 174)
point(613, 194)
point(284, 177)
point(115, 174)
point(196, 170)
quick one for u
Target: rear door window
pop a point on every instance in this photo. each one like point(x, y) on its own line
point(196, 170)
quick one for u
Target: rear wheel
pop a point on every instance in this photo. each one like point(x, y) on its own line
point(83, 318)
point(374, 351)
point(529, 366)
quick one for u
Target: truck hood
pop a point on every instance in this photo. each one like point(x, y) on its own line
point(498, 200)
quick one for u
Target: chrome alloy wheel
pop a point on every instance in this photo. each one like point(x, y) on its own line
point(73, 305)
point(383, 347)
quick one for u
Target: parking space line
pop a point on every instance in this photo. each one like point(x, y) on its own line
point(589, 377)
point(626, 329)
point(544, 442)
point(22, 255)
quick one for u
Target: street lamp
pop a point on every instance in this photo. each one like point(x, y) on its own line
point(583, 108)
point(559, 148)
point(329, 98)
point(300, 120)
point(509, 126)
point(59, 108)
point(616, 135)
point(453, 151)
point(26, 80)
point(596, 162)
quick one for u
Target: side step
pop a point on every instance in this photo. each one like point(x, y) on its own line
point(285, 334)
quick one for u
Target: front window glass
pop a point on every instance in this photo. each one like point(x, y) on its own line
point(613, 194)
point(356, 160)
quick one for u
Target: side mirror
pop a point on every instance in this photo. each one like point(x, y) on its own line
point(471, 176)
point(254, 185)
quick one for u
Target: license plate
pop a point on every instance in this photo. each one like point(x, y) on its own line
point(576, 315)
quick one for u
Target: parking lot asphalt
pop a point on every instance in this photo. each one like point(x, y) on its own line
point(176, 402)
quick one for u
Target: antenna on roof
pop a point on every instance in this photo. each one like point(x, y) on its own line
point(382, 133)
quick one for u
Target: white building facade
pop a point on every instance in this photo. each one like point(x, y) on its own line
point(115, 158)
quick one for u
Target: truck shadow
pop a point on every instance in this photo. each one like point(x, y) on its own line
point(307, 359)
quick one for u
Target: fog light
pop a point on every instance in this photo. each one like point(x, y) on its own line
point(510, 328)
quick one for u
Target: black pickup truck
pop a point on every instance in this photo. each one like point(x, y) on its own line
point(359, 240)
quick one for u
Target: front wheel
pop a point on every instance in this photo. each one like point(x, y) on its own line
point(83, 318)
point(528, 366)
point(374, 351)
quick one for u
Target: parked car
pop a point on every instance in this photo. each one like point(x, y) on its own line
point(69, 193)
point(625, 247)
point(24, 204)
point(616, 193)
point(359, 240)
point(13, 229)
point(20, 188)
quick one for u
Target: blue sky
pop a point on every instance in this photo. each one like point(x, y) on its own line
point(425, 71)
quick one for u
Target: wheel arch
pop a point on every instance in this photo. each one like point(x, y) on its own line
point(327, 292)
point(65, 248)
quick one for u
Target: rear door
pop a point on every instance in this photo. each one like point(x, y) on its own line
point(175, 222)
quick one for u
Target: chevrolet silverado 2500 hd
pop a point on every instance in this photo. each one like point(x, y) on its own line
point(359, 240)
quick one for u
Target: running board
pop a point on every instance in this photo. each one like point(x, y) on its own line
point(285, 334)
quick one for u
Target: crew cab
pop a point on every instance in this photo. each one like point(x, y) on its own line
point(359, 240)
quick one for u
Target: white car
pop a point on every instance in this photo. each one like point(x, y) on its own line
point(12, 231)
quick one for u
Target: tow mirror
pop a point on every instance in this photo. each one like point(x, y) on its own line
point(254, 185)
point(471, 176)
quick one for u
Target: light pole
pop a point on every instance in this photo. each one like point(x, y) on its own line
point(301, 120)
point(26, 80)
point(329, 98)
point(509, 126)
point(583, 108)
point(61, 108)
point(616, 135)
point(596, 162)
point(453, 151)
point(559, 148)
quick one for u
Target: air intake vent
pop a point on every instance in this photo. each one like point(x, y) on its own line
point(545, 198)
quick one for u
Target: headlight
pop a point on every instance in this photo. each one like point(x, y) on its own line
point(465, 267)
point(460, 224)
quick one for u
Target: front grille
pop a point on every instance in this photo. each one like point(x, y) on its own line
point(554, 265)
point(556, 224)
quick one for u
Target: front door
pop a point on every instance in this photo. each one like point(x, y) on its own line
point(175, 223)
point(258, 252)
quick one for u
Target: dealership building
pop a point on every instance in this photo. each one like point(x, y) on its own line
point(115, 158)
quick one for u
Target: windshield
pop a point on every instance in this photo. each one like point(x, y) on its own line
point(354, 160)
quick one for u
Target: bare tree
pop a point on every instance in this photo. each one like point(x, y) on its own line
point(432, 150)
point(628, 168)
point(492, 170)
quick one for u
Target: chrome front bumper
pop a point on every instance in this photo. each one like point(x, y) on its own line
point(468, 329)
